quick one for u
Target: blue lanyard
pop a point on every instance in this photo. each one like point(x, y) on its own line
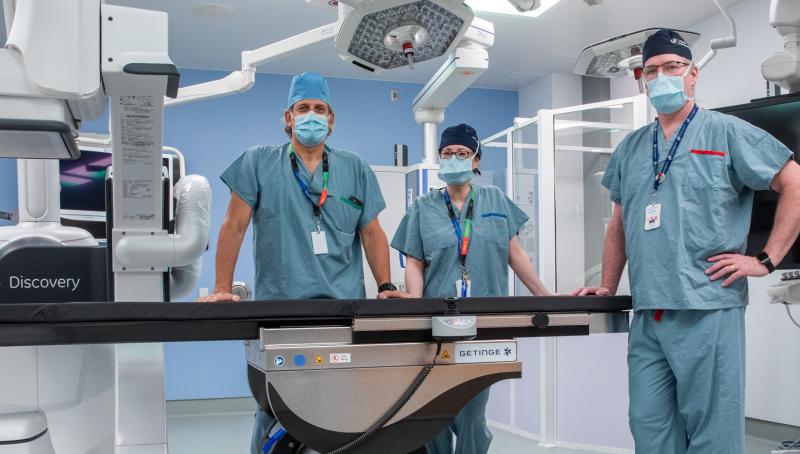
point(304, 187)
point(660, 177)
point(463, 239)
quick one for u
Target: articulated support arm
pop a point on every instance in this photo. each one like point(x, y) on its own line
point(458, 73)
point(720, 43)
point(243, 80)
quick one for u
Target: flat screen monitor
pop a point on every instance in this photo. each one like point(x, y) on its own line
point(83, 199)
point(779, 116)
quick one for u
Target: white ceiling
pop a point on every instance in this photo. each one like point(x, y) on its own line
point(525, 48)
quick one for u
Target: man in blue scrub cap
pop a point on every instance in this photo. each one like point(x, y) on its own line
point(682, 189)
point(312, 207)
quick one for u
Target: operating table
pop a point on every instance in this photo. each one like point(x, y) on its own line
point(341, 375)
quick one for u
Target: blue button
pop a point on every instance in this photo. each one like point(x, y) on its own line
point(299, 360)
point(279, 361)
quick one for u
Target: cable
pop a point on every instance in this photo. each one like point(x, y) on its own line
point(407, 395)
point(789, 311)
point(273, 439)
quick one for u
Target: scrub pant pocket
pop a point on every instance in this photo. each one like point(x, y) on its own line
point(470, 429)
point(686, 381)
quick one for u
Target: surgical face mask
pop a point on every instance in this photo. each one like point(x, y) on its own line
point(311, 129)
point(456, 171)
point(666, 92)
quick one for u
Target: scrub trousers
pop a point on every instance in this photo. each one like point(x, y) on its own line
point(469, 427)
point(686, 381)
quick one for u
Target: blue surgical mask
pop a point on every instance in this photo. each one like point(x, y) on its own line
point(311, 129)
point(456, 171)
point(666, 93)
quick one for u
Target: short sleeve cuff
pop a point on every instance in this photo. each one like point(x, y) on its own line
point(408, 251)
point(231, 183)
point(368, 215)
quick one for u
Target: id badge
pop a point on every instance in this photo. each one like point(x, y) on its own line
point(460, 288)
point(652, 217)
point(319, 242)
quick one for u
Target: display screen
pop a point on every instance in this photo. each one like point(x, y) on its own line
point(83, 182)
point(781, 118)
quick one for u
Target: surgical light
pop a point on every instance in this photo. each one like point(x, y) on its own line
point(390, 34)
point(620, 56)
point(525, 8)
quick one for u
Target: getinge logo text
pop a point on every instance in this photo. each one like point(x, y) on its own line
point(22, 282)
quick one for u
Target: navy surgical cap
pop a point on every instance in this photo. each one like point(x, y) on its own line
point(666, 41)
point(462, 134)
point(309, 86)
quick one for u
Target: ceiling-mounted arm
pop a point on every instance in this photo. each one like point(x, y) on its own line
point(243, 80)
point(459, 72)
point(720, 43)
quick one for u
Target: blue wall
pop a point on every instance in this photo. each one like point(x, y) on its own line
point(211, 134)
point(8, 187)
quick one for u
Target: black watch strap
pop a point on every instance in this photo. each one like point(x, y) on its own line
point(386, 286)
point(766, 261)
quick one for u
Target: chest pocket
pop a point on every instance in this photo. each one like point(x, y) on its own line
point(706, 195)
point(491, 227)
point(344, 211)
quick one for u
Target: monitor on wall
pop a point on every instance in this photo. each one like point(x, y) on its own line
point(780, 116)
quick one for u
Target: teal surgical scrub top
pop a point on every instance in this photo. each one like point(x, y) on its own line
point(427, 234)
point(706, 201)
point(283, 219)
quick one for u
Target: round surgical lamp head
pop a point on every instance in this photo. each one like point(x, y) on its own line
point(394, 33)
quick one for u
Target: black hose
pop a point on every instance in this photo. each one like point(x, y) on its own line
point(407, 395)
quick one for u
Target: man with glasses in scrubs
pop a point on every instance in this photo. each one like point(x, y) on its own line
point(682, 189)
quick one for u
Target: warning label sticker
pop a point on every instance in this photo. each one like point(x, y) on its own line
point(340, 358)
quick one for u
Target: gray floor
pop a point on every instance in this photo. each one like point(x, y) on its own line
point(223, 427)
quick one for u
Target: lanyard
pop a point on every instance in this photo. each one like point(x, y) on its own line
point(304, 187)
point(660, 177)
point(463, 240)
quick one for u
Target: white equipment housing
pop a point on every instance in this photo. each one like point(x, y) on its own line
point(42, 108)
point(783, 68)
point(787, 291)
point(101, 398)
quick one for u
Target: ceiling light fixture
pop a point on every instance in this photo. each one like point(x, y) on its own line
point(504, 7)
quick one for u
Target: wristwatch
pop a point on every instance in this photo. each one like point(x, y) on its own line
point(764, 259)
point(386, 286)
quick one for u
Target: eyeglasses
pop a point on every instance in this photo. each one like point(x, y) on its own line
point(461, 154)
point(670, 68)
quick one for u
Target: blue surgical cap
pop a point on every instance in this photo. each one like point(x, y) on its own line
point(666, 41)
point(462, 134)
point(309, 86)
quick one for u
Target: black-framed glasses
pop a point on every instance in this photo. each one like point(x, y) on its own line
point(670, 68)
point(461, 154)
